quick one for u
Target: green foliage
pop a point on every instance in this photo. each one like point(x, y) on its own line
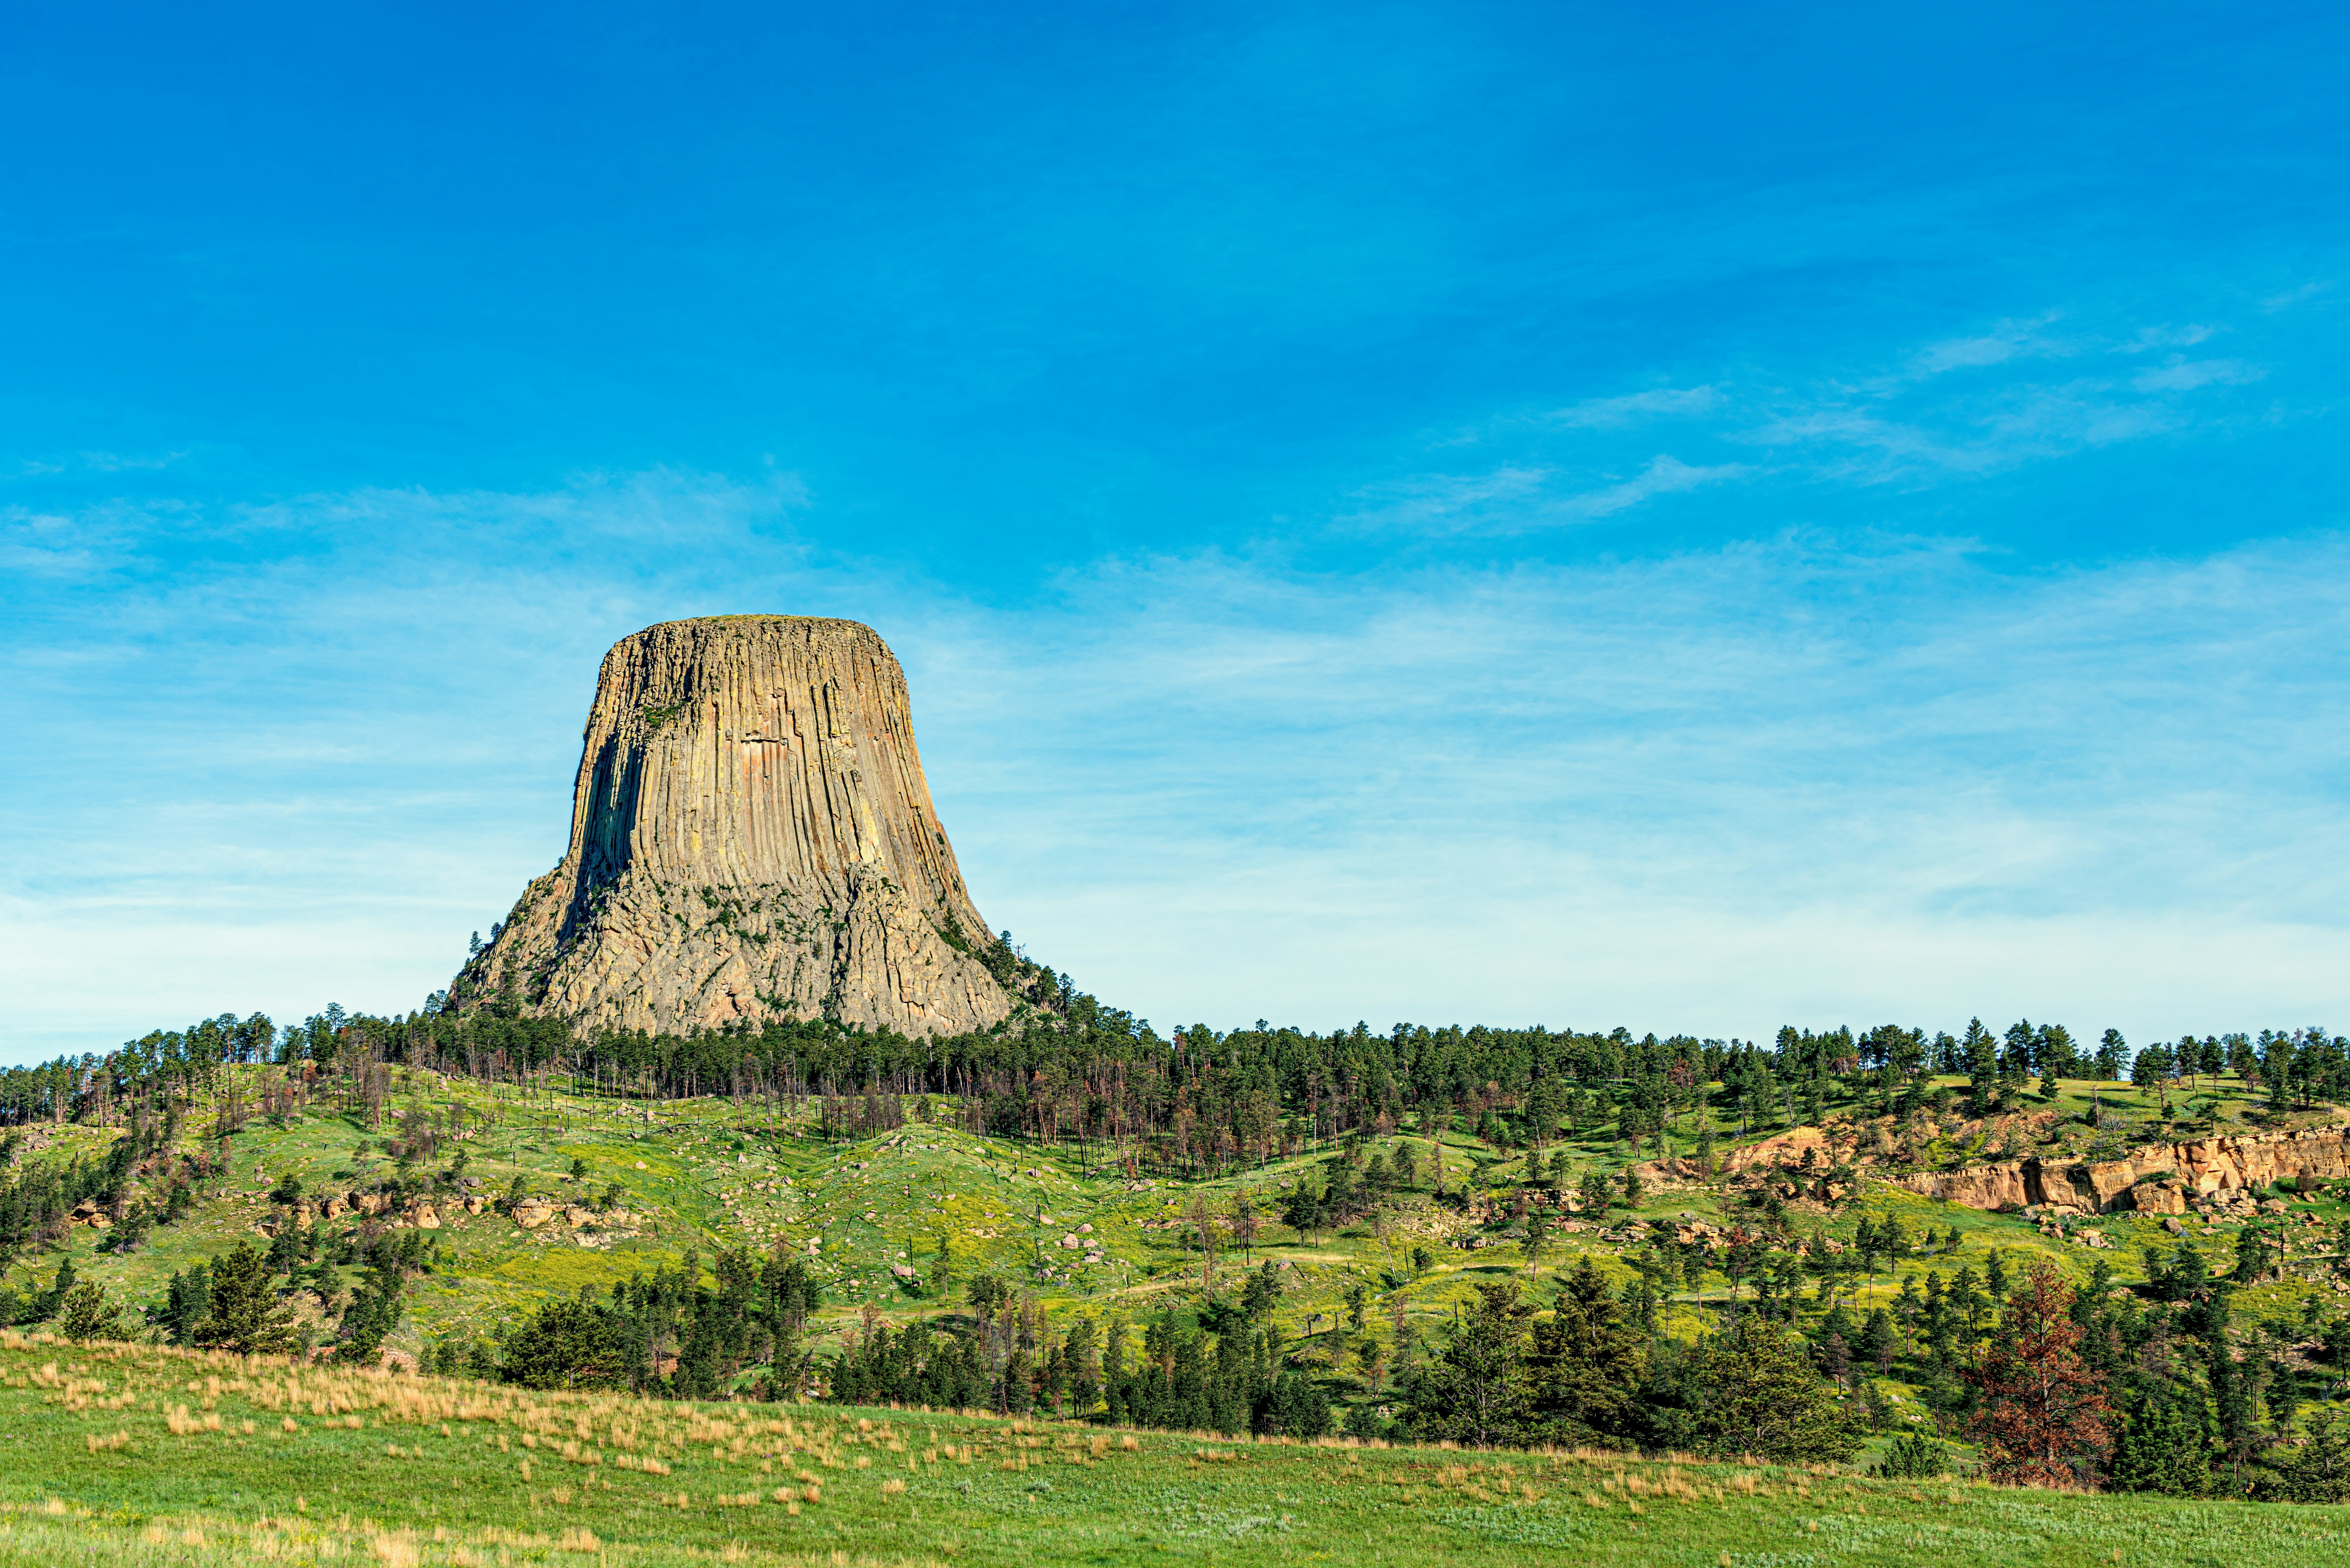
point(2318, 1470)
point(2161, 1448)
point(566, 1345)
point(188, 1304)
point(1763, 1397)
point(90, 1313)
point(1476, 1390)
point(1914, 1456)
point(241, 1311)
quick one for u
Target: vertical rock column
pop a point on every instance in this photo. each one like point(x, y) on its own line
point(752, 837)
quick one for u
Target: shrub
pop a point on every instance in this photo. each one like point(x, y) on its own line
point(1914, 1456)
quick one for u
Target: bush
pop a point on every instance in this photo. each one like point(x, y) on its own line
point(1914, 1456)
point(89, 1314)
point(568, 1344)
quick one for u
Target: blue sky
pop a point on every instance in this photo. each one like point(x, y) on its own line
point(1696, 517)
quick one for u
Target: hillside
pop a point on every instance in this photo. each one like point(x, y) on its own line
point(614, 1188)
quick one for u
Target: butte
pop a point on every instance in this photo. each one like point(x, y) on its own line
point(751, 838)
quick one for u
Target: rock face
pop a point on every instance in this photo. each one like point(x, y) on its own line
point(752, 837)
point(2160, 1178)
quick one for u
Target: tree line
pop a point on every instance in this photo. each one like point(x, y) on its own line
point(1195, 1101)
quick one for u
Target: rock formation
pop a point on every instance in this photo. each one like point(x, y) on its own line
point(751, 838)
point(2153, 1179)
point(2156, 1178)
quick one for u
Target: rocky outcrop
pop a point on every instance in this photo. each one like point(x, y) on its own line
point(752, 837)
point(2158, 1178)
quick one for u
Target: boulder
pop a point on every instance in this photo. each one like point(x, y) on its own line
point(2155, 1198)
point(578, 1218)
point(532, 1212)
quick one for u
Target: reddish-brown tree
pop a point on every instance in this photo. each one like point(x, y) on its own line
point(2045, 1418)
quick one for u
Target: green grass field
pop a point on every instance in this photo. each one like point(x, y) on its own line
point(142, 1454)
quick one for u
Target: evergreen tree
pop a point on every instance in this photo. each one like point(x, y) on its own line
point(90, 1313)
point(2045, 1418)
point(566, 1343)
point(188, 1302)
point(1475, 1391)
point(1762, 1396)
point(1582, 1364)
point(241, 1313)
point(1978, 1051)
point(2160, 1448)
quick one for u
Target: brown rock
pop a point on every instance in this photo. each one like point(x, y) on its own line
point(577, 1218)
point(2217, 1171)
point(532, 1212)
point(752, 837)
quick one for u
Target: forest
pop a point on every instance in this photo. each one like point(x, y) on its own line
point(1197, 1100)
point(2161, 1386)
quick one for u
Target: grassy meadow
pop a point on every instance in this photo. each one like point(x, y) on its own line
point(123, 1454)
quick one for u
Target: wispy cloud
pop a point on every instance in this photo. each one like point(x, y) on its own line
point(1870, 775)
point(2182, 374)
point(2294, 296)
point(1956, 409)
point(2007, 341)
point(1819, 775)
point(1664, 475)
point(1637, 408)
point(1522, 500)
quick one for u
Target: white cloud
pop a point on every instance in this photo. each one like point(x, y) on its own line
point(1517, 500)
point(1959, 407)
point(1664, 475)
point(2008, 340)
point(1637, 407)
point(2294, 296)
point(1817, 777)
point(1797, 780)
point(2166, 337)
point(2181, 375)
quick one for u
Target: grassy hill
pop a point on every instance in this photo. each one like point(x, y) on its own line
point(123, 1454)
point(695, 1175)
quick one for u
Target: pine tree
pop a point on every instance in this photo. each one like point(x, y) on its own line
point(243, 1313)
point(90, 1313)
point(2044, 1419)
point(2160, 1448)
point(1762, 1396)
